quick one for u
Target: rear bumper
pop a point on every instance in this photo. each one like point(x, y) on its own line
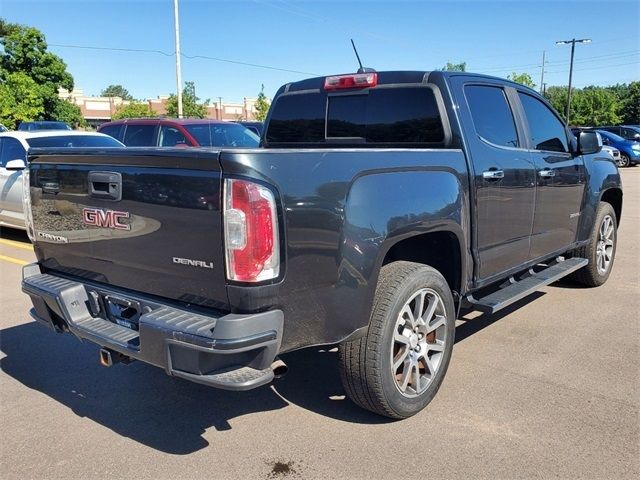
point(229, 351)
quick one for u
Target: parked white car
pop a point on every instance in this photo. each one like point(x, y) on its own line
point(615, 155)
point(13, 158)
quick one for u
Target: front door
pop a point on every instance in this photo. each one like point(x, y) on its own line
point(560, 180)
point(11, 182)
point(504, 177)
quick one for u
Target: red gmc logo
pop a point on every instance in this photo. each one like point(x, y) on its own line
point(105, 218)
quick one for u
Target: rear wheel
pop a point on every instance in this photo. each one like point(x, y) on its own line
point(397, 368)
point(601, 249)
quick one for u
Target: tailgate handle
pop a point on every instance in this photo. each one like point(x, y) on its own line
point(105, 185)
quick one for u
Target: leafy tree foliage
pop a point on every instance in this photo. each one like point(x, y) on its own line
point(262, 105)
point(116, 91)
point(522, 78)
point(630, 105)
point(69, 113)
point(133, 110)
point(20, 100)
point(31, 77)
point(455, 67)
point(190, 106)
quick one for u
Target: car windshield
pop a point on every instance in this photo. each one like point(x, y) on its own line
point(74, 141)
point(611, 136)
point(222, 135)
point(49, 126)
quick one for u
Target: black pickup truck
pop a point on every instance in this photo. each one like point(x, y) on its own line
point(379, 206)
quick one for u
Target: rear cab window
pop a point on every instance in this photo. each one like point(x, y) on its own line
point(387, 115)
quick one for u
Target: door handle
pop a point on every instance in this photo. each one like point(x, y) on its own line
point(547, 173)
point(105, 185)
point(493, 174)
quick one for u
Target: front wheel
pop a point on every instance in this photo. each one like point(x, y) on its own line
point(601, 249)
point(397, 368)
point(624, 160)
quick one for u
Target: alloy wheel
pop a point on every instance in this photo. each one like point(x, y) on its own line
point(419, 340)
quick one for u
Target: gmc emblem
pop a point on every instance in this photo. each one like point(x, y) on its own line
point(97, 217)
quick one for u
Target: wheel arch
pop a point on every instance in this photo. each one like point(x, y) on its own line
point(613, 196)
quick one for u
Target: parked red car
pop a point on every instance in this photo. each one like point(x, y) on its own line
point(171, 132)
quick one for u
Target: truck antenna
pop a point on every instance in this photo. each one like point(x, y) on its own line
point(361, 69)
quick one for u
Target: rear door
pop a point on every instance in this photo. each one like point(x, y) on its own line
point(504, 177)
point(560, 179)
point(145, 221)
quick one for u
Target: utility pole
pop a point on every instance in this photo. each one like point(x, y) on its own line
point(542, 76)
point(220, 107)
point(573, 42)
point(178, 67)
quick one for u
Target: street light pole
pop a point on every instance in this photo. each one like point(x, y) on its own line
point(178, 67)
point(573, 42)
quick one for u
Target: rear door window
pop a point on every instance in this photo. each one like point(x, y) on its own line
point(491, 114)
point(112, 130)
point(140, 136)
point(404, 116)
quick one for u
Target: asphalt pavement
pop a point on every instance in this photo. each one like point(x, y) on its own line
point(548, 388)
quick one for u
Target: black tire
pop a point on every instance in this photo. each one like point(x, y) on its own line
point(591, 275)
point(624, 160)
point(366, 363)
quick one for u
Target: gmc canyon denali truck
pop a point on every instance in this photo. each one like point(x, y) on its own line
point(379, 206)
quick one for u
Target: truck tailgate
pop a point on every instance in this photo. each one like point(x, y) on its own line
point(141, 219)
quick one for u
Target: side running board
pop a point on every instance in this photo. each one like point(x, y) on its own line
point(518, 289)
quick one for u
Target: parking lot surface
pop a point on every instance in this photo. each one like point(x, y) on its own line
point(548, 388)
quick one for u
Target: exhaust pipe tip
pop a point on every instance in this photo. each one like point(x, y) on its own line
point(105, 358)
point(279, 368)
point(109, 358)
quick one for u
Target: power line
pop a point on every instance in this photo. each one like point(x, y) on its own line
point(115, 49)
point(183, 55)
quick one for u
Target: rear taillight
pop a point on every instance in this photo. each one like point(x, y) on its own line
point(250, 232)
point(26, 204)
point(354, 80)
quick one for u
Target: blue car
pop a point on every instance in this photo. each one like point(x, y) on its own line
point(629, 150)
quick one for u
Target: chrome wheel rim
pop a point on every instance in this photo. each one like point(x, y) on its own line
point(418, 343)
point(624, 160)
point(605, 247)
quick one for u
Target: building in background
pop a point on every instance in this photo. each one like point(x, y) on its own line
point(97, 110)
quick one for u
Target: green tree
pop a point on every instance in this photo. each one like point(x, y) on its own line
point(20, 100)
point(190, 106)
point(557, 96)
point(523, 79)
point(133, 110)
point(69, 113)
point(24, 50)
point(630, 105)
point(594, 106)
point(455, 67)
point(262, 105)
point(116, 91)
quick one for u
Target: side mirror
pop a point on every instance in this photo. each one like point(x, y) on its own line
point(15, 165)
point(589, 142)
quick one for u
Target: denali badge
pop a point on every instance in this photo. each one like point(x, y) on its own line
point(105, 218)
point(53, 238)
point(193, 263)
